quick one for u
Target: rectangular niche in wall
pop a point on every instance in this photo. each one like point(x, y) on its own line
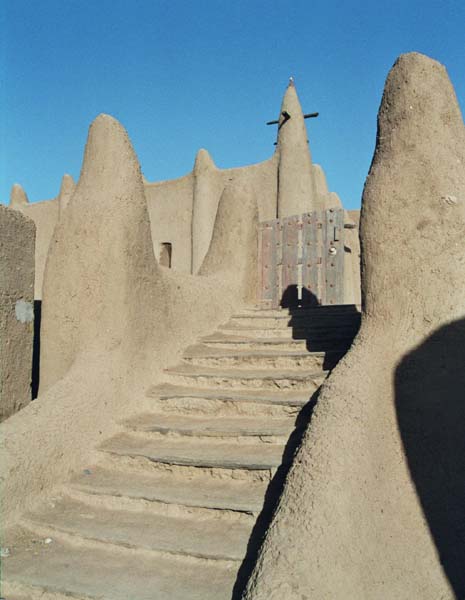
point(166, 250)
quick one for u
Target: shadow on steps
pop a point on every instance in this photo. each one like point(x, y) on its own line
point(330, 329)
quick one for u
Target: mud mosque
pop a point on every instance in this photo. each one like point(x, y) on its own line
point(227, 386)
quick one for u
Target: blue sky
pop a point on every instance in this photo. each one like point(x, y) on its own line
point(181, 75)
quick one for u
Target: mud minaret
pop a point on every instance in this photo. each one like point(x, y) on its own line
point(296, 188)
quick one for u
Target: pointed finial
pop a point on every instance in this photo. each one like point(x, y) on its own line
point(18, 196)
point(203, 161)
point(109, 159)
point(66, 191)
point(291, 80)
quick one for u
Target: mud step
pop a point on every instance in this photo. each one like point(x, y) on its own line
point(270, 357)
point(315, 311)
point(233, 341)
point(168, 391)
point(246, 378)
point(224, 340)
point(291, 333)
point(214, 538)
point(207, 402)
point(98, 572)
point(198, 492)
point(202, 426)
point(328, 322)
point(197, 453)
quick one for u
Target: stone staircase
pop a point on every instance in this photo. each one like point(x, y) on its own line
point(170, 511)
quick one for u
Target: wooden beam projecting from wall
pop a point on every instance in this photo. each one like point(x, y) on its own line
point(287, 116)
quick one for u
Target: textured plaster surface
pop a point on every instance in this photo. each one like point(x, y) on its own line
point(373, 506)
point(17, 234)
point(183, 211)
point(232, 256)
point(170, 210)
point(45, 216)
point(261, 179)
point(112, 319)
point(352, 284)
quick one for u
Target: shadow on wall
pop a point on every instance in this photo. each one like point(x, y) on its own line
point(36, 350)
point(290, 298)
point(430, 404)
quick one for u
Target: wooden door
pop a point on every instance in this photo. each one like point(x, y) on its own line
point(301, 260)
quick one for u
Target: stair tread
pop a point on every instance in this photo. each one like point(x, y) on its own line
point(204, 351)
point(198, 453)
point(305, 318)
point(227, 494)
point(221, 336)
point(292, 398)
point(236, 373)
point(209, 538)
point(320, 328)
point(289, 312)
point(105, 574)
point(114, 535)
point(195, 425)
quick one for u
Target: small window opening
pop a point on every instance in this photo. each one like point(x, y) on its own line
point(165, 254)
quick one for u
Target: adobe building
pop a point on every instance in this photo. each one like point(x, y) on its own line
point(183, 211)
point(190, 441)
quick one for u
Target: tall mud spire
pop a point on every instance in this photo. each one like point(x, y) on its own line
point(101, 272)
point(208, 186)
point(374, 503)
point(296, 189)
